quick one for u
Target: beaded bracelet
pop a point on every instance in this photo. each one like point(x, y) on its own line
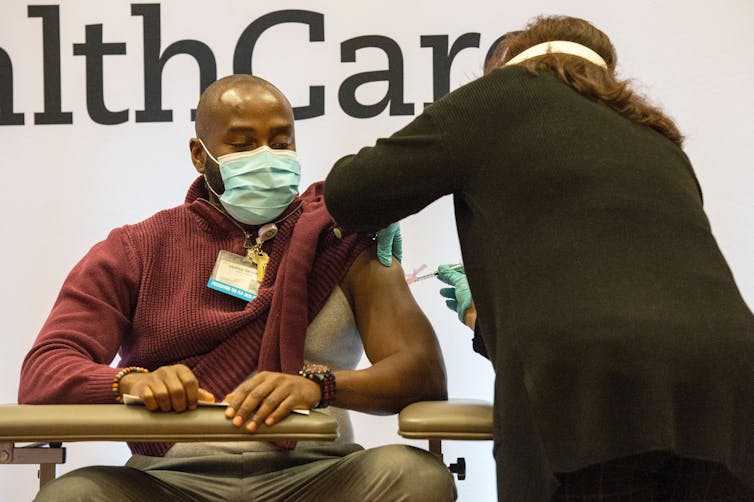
point(323, 376)
point(121, 374)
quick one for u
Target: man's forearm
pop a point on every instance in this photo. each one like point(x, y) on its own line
point(389, 386)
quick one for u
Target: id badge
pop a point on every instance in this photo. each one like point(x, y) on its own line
point(234, 275)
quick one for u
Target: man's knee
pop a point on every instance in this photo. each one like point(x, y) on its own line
point(413, 474)
point(94, 483)
point(78, 485)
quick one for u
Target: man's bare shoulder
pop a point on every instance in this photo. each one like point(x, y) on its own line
point(367, 277)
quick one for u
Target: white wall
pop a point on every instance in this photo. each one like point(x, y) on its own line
point(67, 185)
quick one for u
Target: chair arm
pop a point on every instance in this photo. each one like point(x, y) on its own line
point(117, 422)
point(455, 419)
point(59, 423)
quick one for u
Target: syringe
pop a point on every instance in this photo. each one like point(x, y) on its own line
point(418, 278)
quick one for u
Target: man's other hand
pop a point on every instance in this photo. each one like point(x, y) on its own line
point(168, 388)
point(268, 397)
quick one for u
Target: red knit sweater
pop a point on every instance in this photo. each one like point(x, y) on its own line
point(142, 293)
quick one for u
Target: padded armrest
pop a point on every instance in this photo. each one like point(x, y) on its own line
point(459, 419)
point(117, 422)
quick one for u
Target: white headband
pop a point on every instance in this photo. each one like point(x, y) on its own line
point(559, 46)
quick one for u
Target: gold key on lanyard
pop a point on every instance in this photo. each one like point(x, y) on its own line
point(255, 253)
point(260, 259)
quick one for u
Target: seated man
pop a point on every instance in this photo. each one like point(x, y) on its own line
point(233, 293)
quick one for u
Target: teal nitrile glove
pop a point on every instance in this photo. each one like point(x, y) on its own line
point(389, 244)
point(459, 296)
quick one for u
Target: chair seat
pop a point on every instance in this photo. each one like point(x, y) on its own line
point(117, 422)
point(455, 419)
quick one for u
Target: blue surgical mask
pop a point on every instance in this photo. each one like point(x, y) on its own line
point(259, 184)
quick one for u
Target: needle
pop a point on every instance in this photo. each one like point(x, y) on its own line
point(431, 274)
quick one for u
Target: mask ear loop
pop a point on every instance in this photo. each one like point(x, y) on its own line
point(206, 181)
point(207, 151)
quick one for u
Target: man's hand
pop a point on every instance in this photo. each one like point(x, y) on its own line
point(168, 388)
point(268, 397)
point(459, 296)
point(389, 244)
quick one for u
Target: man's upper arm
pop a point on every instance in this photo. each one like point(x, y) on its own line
point(388, 317)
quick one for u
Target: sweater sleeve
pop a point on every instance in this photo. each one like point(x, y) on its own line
point(397, 177)
point(69, 361)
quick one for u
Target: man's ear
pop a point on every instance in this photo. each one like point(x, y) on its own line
point(198, 155)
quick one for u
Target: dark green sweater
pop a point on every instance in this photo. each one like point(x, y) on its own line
point(608, 311)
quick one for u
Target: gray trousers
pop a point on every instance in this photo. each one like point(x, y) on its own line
point(388, 473)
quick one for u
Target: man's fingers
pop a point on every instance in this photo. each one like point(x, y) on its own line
point(235, 400)
point(190, 386)
point(249, 404)
point(205, 395)
point(268, 397)
point(161, 394)
point(176, 391)
point(282, 411)
point(149, 400)
point(170, 388)
point(267, 406)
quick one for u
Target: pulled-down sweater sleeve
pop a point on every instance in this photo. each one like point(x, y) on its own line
point(69, 361)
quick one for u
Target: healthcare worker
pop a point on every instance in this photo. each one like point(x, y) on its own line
point(623, 350)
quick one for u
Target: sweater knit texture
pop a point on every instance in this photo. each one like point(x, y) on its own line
point(611, 318)
point(142, 293)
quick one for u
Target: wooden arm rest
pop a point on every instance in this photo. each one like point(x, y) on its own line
point(117, 422)
point(455, 419)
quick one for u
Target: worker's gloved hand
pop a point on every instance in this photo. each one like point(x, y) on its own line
point(389, 244)
point(459, 296)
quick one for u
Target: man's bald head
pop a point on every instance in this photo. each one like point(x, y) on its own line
point(231, 91)
point(239, 113)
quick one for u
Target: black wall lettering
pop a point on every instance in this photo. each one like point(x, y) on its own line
point(393, 75)
point(499, 39)
point(53, 113)
point(442, 59)
point(154, 63)
point(155, 59)
point(245, 50)
point(7, 117)
point(94, 51)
